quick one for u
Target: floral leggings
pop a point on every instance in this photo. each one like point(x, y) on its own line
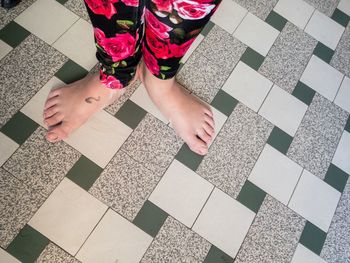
point(170, 28)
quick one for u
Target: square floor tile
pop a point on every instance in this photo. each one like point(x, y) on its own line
point(4, 49)
point(275, 174)
point(336, 177)
point(313, 237)
point(256, 34)
point(7, 146)
point(296, 11)
point(68, 216)
point(115, 239)
point(323, 52)
point(283, 110)
point(280, 140)
point(6, 257)
point(78, 44)
point(181, 193)
point(343, 96)
point(46, 19)
point(276, 20)
point(313, 206)
point(344, 5)
point(229, 15)
point(224, 222)
point(322, 78)
point(247, 86)
point(342, 155)
point(324, 29)
point(340, 17)
point(302, 254)
point(54, 253)
point(13, 34)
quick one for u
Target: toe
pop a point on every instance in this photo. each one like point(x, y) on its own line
point(54, 119)
point(198, 146)
point(50, 112)
point(204, 136)
point(208, 111)
point(209, 120)
point(51, 102)
point(209, 129)
point(56, 134)
point(54, 93)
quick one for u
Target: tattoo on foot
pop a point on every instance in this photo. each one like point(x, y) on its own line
point(91, 99)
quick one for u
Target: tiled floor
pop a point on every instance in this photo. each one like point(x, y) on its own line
point(124, 188)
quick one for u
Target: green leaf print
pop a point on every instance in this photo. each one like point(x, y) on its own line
point(165, 68)
point(123, 64)
point(115, 65)
point(162, 75)
point(126, 24)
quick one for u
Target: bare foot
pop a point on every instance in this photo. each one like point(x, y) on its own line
point(191, 118)
point(69, 107)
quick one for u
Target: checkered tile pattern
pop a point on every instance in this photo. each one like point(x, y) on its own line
point(124, 188)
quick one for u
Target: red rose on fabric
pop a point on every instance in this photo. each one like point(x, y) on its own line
point(150, 61)
point(102, 7)
point(180, 50)
point(164, 5)
point(119, 47)
point(110, 81)
point(131, 2)
point(192, 10)
point(159, 47)
point(99, 35)
point(160, 29)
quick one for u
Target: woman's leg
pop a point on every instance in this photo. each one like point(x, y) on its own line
point(171, 27)
point(118, 31)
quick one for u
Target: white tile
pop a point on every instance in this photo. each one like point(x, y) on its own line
point(229, 15)
point(256, 34)
point(7, 258)
point(68, 216)
point(181, 193)
point(342, 154)
point(7, 146)
point(115, 239)
point(304, 255)
point(100, 137)
point(192, 48)
point(141, 98)
point(4, 49)
point(224, 222)
point(324, 29)
point(315, 200)
point(247, 86)
point(276, 174)
point(321, 77)
point(219, 119)
point(47, 19)
point(78, 44)
point(283, 110)
point(343, 97)
point(296, 11)
point(344, 5)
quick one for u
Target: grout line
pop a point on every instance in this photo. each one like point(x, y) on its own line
point(206, 201)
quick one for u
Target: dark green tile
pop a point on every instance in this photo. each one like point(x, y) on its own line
point(323, 52)
point(215, 255)
point(27, 245)
point(340, 17)
point(313, 238)
point(84, 173)
point(62, 2)
point(207, 28)
point(189, 158)
point(303, 93)
point(71, 72)
point(276, 21)
point(13, 34)
point(347, 125)
point(252, 58)
point(150, 218)
point(224, 102)
point(131, 114)
point(280, 140)
point(251, 196)
point(19, 127)
point(336, 177)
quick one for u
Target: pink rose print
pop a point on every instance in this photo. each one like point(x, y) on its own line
point(192, 10)
point(131, 2)
point(102, 7)
point(119, 47)
point(164, 5)
point(159, 47)
point(110, 81)
point(160, 29)
point(150, 61)
point(180, 50)
point(99, 35)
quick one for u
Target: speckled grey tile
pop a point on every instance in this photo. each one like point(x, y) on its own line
point(26, 69)
point(325, 6)
point(288, 57)
point(53, 253)
point(337, 245)
point(8, 15)
point(221, 48)
point(341, 57)
point(252, 252)
point(41, 165)
point(176, 243)
point(153, 144)
point(6, 112)
point(276, 230)
point(235, 150)
point(17, 205)
point(125, 185)
point(78, 7)
point(203, 77)
point(260, 8)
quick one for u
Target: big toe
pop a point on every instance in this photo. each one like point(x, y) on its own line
point(57, 133)
point(197, 145)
